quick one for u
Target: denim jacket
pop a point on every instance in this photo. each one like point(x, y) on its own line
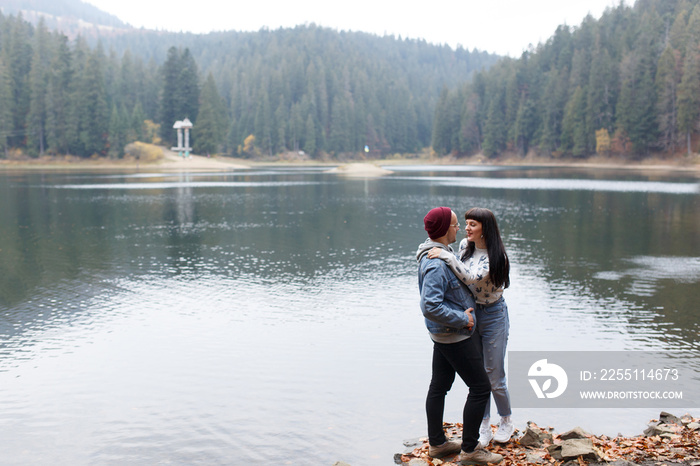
point(443, 298)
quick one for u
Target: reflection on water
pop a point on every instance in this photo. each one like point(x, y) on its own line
point(271, 315)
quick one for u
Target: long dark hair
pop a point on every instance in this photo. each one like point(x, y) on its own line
point(499, 265)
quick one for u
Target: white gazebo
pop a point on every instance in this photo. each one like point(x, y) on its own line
point(183, 150)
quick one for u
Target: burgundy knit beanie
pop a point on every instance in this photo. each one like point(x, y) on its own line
point(437, 222)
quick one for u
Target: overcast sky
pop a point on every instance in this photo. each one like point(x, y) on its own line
point(505, 27)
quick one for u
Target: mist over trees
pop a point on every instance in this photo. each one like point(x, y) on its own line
point(310, 89)
point(626, 84)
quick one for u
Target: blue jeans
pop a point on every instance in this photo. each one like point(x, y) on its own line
point(492, 326)
point(463, 358)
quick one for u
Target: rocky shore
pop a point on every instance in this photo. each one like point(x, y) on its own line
point(667, 441)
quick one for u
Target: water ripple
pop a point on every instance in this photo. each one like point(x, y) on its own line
point(561, 184)
point(187, 184)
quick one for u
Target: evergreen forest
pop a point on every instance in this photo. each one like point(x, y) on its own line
point(327, 93)
point(627, 84)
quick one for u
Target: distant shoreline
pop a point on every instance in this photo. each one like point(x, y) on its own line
point(171, 162)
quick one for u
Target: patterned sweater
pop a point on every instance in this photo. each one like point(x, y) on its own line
point(474, 273)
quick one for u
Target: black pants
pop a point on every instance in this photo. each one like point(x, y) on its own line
point(465, 359)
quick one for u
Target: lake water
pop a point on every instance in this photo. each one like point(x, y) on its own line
point(271, 316)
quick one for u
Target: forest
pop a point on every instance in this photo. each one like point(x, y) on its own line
point(627, 85)
point(311, 89)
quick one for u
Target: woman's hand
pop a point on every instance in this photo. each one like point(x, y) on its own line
point(434, 253)
point(468, 312)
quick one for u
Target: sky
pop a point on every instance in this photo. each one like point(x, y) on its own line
point(504, 27)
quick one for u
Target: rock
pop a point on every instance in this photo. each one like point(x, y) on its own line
point(576, 432)
point(693, 426)
point(614, 463)
point(532, 457)
point(340, 463)
point(572, 449)
point(534, 437)
point(668, 418)
point(555, 451)
point(411, 444)
point(660, 430)
point(417, 462)
point(414, 442)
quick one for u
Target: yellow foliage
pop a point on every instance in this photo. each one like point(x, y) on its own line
point(143, 152)
point(152, 131)
point(249, 144)
point(602, 141)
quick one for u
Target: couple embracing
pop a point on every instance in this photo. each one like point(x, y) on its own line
point(467, 318)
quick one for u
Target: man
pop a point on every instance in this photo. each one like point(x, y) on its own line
point(448, 309)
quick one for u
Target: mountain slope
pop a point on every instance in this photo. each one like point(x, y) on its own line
point(72, 17)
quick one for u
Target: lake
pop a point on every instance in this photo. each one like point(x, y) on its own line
point(270, 316)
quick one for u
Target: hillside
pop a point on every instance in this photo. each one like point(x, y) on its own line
point(328, 93)
point(627, 84)
point(72, 17)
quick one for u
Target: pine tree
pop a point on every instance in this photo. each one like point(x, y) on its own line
point(136, 125)
point(635, 113)
point(442, 129)
point(189, 86)
point(170, 108)
point(602, 88)
point(94, 127)
point(470, 133)
point(525, 125)
point(38, 83)
point(5, 109)
point(339, 139)
point(689, 88)
point(59, 93)
point(310, 136)
point(573, 133)
point(495, 132)
point(118, 131)
point(18, 64)
point(667, 80)
point(211, 121)
point(77, 99)
point(689, 96)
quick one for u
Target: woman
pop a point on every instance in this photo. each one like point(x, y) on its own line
point(485, 270)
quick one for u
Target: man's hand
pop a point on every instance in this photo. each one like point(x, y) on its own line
point(434, 253)
point(468, 312)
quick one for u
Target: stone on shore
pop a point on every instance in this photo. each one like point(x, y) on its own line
point(534, 437)
point(576, 432)
point(661, 430)
point(668, 418)
point(572, 449)
point(674, 443)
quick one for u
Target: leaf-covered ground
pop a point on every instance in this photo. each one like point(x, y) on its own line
point(677, 444)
